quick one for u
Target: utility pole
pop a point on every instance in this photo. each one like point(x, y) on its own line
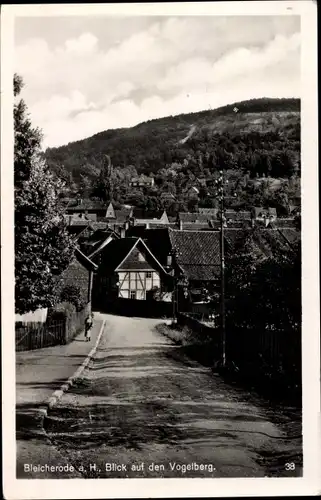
point(220, 184)
point(174, 293)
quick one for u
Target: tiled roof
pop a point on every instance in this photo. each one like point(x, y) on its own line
point(194, 226)
point(85, 261)
point(79, 222)
point(193, 217)
point(261, 243)
point(139, 213)
point(259, 211)
point(237, 215)
point(115, 252)
point(123, 214)
point(291, 235)
point(197, 253)
point(209, 211)
point(99, 225)
point(285, 223)
point(235, 224)
point(144, 222)
point(157, 240)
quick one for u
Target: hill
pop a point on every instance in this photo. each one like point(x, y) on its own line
point(256, 138)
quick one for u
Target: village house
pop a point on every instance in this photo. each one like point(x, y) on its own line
point(212, 213)
point(142, 181)
point(93, 240)
point(79, 274)
point(157, 240)
point(193, 221)
point(145, 218)
point(237, 215)
point(127, 269)
point(86, 207)
point(79, 218)
point(82, 210)
point(196, 258)
point(264, 215)
point(117, 217)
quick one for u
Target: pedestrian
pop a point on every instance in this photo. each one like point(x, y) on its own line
point(88, 326)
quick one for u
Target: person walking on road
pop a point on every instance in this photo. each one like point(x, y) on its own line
point(88, 326)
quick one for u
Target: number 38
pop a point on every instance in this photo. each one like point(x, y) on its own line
point(290, 466)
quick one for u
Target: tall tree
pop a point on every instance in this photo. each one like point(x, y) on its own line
point(43, 248)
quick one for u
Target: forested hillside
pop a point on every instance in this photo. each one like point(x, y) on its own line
point(256, 142)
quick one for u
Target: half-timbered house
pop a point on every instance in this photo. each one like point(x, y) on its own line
point(127, 269)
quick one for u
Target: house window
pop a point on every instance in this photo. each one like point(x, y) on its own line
point(148, 274)
point(141, 258)
point(133, 295)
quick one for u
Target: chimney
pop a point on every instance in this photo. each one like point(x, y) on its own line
point(169, 260)
point(180, 224)
point(122, 232)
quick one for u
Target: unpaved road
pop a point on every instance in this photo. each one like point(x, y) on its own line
point(142, 409)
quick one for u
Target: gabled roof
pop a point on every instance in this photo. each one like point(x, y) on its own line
point(157, 240)
point(141, 243)
point(106, 240)
point(197, 253)
point(85, 261)
point(117, 251)
point(259, 211)
point(110, 212)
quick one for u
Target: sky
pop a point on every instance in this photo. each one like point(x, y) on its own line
point(84, 75)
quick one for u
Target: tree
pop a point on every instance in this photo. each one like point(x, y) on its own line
point(263, 292)
point(43, 248)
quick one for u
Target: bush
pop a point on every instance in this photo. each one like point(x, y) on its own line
point(72, 294)
point(61, 311)
point(74, 320)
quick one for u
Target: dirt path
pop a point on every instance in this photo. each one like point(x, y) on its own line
point(144, 410)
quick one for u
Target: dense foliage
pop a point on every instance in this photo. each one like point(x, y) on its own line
point(43, 247)
point(72, 294)
point(264, 293)
point(256, 142)
point(263, 319)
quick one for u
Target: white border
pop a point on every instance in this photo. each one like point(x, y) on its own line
point(144, 488)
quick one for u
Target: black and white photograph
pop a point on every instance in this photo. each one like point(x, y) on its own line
point(157, 236)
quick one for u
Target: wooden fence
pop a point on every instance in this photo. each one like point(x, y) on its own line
point(276, 351)
point(271, 354)
point(31, 336)
point(58, 331)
